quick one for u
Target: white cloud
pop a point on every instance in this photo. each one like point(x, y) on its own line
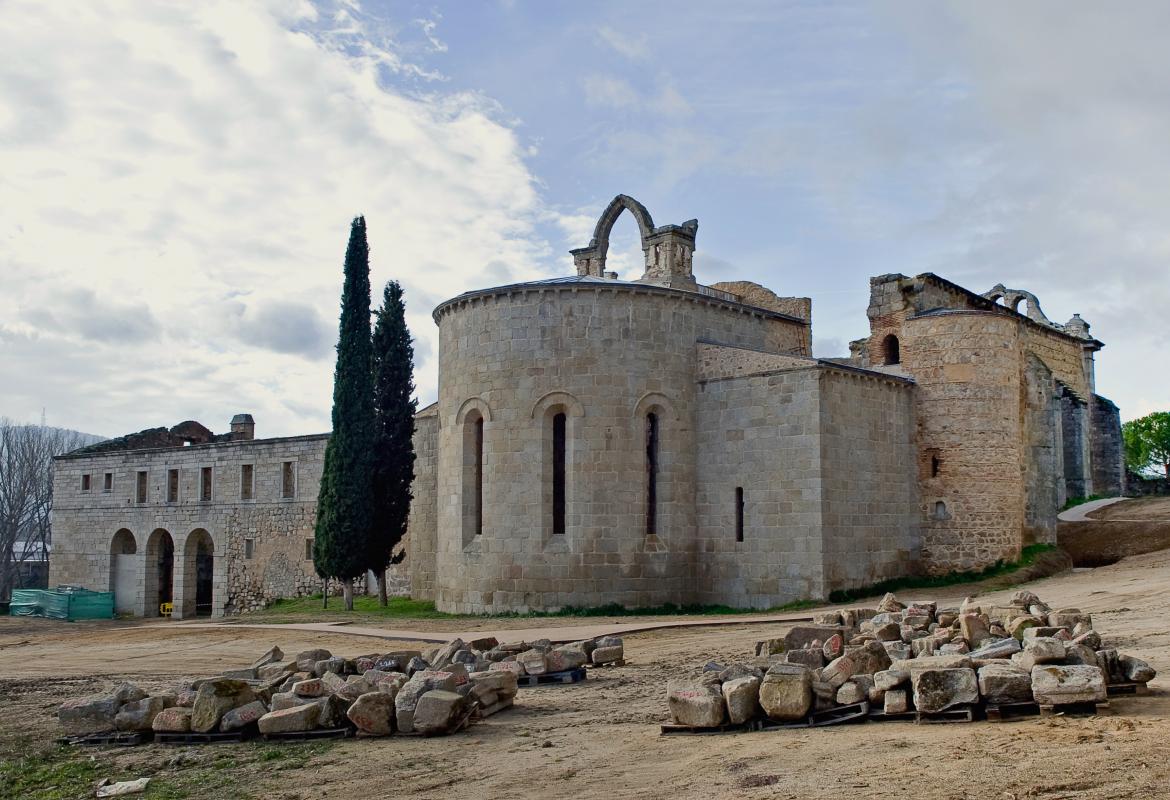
point(177, 184)
point(605, 91)
point(632, 47)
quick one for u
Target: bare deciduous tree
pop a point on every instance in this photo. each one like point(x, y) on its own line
point(26, 492)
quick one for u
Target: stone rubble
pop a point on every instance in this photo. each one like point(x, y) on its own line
point(914, 657)
point(404, 691)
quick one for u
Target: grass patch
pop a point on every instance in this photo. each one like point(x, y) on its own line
point(367, 605)
point(669, 609)
point(405, 608)
point(1072, 502)
point(1027, 556)
point(67, 773)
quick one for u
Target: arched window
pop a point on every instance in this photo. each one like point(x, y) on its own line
point(891, 350)
point(940, 511)
point(651, 474)
point(559, 422)
point(472, 476)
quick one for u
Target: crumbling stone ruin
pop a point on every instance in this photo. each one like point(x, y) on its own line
point(900, 658)
point(599, 440)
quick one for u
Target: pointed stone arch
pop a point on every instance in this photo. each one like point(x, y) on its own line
point(667, 250)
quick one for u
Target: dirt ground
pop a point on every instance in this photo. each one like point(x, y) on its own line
point(1139, 509)
point(1134, 526)
point(600, 738)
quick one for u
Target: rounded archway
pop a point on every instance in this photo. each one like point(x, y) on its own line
point(198, 575)
point(159, 580)
point(124, 571)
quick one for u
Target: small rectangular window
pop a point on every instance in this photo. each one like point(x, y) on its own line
point(288, 479)
point(739, 513)
point(108, 484)
point(172, 486)
point(308, 549)
point(249, 547)
point(246, 482)
point(140, 488)
point(205, 484)
point(85, 482)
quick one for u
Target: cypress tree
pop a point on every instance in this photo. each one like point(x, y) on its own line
point(345, 502)
point(394, 408)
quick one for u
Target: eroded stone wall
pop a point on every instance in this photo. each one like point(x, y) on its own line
point(1108, 448)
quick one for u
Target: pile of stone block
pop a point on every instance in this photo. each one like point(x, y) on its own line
point(541, 657)
point(404, 691)
point(903, 658)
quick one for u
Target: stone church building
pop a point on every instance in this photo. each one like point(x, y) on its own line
point(598, 440)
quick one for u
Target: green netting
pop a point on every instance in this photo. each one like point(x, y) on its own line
point(68, 605)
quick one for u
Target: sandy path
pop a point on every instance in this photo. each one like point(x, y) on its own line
point(600, 738)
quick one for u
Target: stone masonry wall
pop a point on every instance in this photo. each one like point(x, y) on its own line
point(422, 526)
point(967, 365)
point(868, 482)
point(606, 355)
point(1043, 454)
point(1108, 449)
point(85, 523)
point(759, 432)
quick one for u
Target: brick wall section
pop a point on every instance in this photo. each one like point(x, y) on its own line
point(608, 354)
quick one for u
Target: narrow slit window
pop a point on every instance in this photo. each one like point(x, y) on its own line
point(288, 479)
point(249, 548)
point(559, 422)
point(308, 549)
point(85, 482)
point(739, 513)
point(247, 482)
point(651, 474)
point(140, 488)
point(172, 486)
point(108, 483)
point(479, 476)
point(205, 484)
point(935, 463)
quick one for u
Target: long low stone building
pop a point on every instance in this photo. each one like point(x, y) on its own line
point(597, 441)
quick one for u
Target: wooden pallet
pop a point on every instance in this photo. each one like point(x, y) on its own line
point(621, 662)
point(1004, 712)
point(553, 678)
point(120, 738)
point(215, 737)
point(880, 715)
point(503, 705)
point(965, 714)
point(1118, 689)
point(700, 730)
point(316, 733)
point(774, 725)
point(1075, 709)
point(854, 712)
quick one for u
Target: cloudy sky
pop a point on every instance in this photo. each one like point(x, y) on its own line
point(176, 180)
